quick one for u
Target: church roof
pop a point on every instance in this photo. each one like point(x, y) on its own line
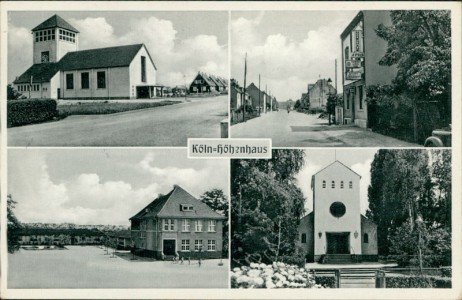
point(168, 206)
point(333, 164)
point(110, 57)
point(39, 73)
point(55, 21)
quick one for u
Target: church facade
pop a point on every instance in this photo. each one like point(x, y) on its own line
point(335, 231)
point(61, 71)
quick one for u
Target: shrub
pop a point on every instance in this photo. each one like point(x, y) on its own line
point(446, 271)
point(325, 281)
point(416, 281)
point(293, 260)
point(22, 112)
point(276, 275)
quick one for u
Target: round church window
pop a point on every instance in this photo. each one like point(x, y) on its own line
point(337, 209)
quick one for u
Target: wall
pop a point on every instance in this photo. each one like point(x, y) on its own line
point(43, 92)
point(319, 93)
point(65, 46)
point(375, 49)
point(324, 221)
point(306, 226)
point(369, 227)
point(135, 72)
point(39, 47)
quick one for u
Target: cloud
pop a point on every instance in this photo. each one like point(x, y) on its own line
point(175, 59)
point(286, 65)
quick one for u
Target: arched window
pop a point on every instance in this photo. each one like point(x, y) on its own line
point(304, 238)
point(341, 184)
point(323, 184)
point(351, 184)
point(333, 184)
point(366, 238)
point(347, 53)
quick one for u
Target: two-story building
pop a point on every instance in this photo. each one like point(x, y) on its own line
point(335, 231)
point(61, 71)
point(178, 223)
point(362, 50)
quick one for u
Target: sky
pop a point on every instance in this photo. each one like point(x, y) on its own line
point(290, 49)
point(103, 186)
point(358, 159)
point(180, 43)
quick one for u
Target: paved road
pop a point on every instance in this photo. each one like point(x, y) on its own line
point(161, 126)
point(302, 130)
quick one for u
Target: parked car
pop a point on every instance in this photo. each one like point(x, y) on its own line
point(439, 138)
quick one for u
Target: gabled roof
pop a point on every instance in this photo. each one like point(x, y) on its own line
point(168, 206)
point(39, 73)
point(352, 25)
point(109, 57)
point(333, 164)
point(55, 21)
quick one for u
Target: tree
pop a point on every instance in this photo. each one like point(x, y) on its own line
point(419, 44)
point(13, 225)
point(267, 206)
point(330, 106)
point(12, 94)
point(218, 201)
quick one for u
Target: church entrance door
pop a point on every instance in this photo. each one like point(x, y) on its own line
point(338, 242)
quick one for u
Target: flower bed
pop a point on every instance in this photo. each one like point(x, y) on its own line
point(277, 275)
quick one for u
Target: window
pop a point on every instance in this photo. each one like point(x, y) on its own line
point(360, 93)
point(143, 68)
point(323, 184)
point(366, 238)
point(101, 79)
point(184, 245)
point(337, 209)
point(198, 225)
point(143, 229)
point(70, 81)
point(212, 226)
point(211, 245)
point(67, 36)
point(44, 35)
point(197, 245)
point(341, 184)
point(45, 56)
point(304, 238)
point(169, 225)
point(351, 184)
point(85, 80)
point(348, 100)
point(347, 53)
point(186, 207)
point(185, 226)
point(333, 184)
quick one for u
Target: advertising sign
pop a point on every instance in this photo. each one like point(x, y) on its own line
point(357, 54)
point(353, 64)
point(354, 75)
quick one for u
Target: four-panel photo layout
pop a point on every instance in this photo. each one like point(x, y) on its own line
point(102, 193)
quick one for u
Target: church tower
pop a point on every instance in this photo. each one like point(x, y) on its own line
point(52, 39)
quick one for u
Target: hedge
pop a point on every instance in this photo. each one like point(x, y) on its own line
point(23, 112)
point(417, 282)
point(325, 281)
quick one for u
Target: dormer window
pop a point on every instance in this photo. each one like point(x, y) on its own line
point(186, 207)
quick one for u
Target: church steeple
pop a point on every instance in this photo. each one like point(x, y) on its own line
point(52, 39)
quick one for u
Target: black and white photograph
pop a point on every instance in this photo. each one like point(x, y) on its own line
point(363, 218)
point(342, 78)
point(116, 78)
point(116, 219)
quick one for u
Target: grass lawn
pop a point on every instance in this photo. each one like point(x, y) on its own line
point(90, 267)
point(97, 108)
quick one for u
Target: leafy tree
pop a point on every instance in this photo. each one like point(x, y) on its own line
point(12, 94)
point(419, 44)
point(297, 104)
point(267, 206)
point(441, 176)
point(218, 201)
point(332, 101)
point(13, 224)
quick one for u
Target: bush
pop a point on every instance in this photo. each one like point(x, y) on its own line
point(22, 112)
point(417, 282)
point(293, 260)
point(325, 281)
point(277, 275)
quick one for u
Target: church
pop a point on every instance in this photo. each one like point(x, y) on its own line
point(336, 231)
point(61, 71)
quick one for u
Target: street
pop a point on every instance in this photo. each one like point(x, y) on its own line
point(301, 130)
point(169, 125)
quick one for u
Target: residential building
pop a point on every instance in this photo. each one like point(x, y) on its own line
point(178, 223)
point(362, 50)
point(237, 95)
point(206, 83)
point(318, 93)
point(336, 231)
point(60, 70)
point(257, 97)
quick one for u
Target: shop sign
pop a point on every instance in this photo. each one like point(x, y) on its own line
point(357, 54)
point(353, 63)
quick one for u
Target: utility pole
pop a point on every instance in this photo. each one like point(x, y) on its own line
point(245, 75)
point(336, 75)
point(266, 92)
point(259, 96)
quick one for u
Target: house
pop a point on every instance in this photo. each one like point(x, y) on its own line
point(121, 238)
point(61, 71)
point(362, 49)
point(177, 223)
point(335, 231)
point(237, 95)
point(318, 93)
point(205, 83)
point(257, 97)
